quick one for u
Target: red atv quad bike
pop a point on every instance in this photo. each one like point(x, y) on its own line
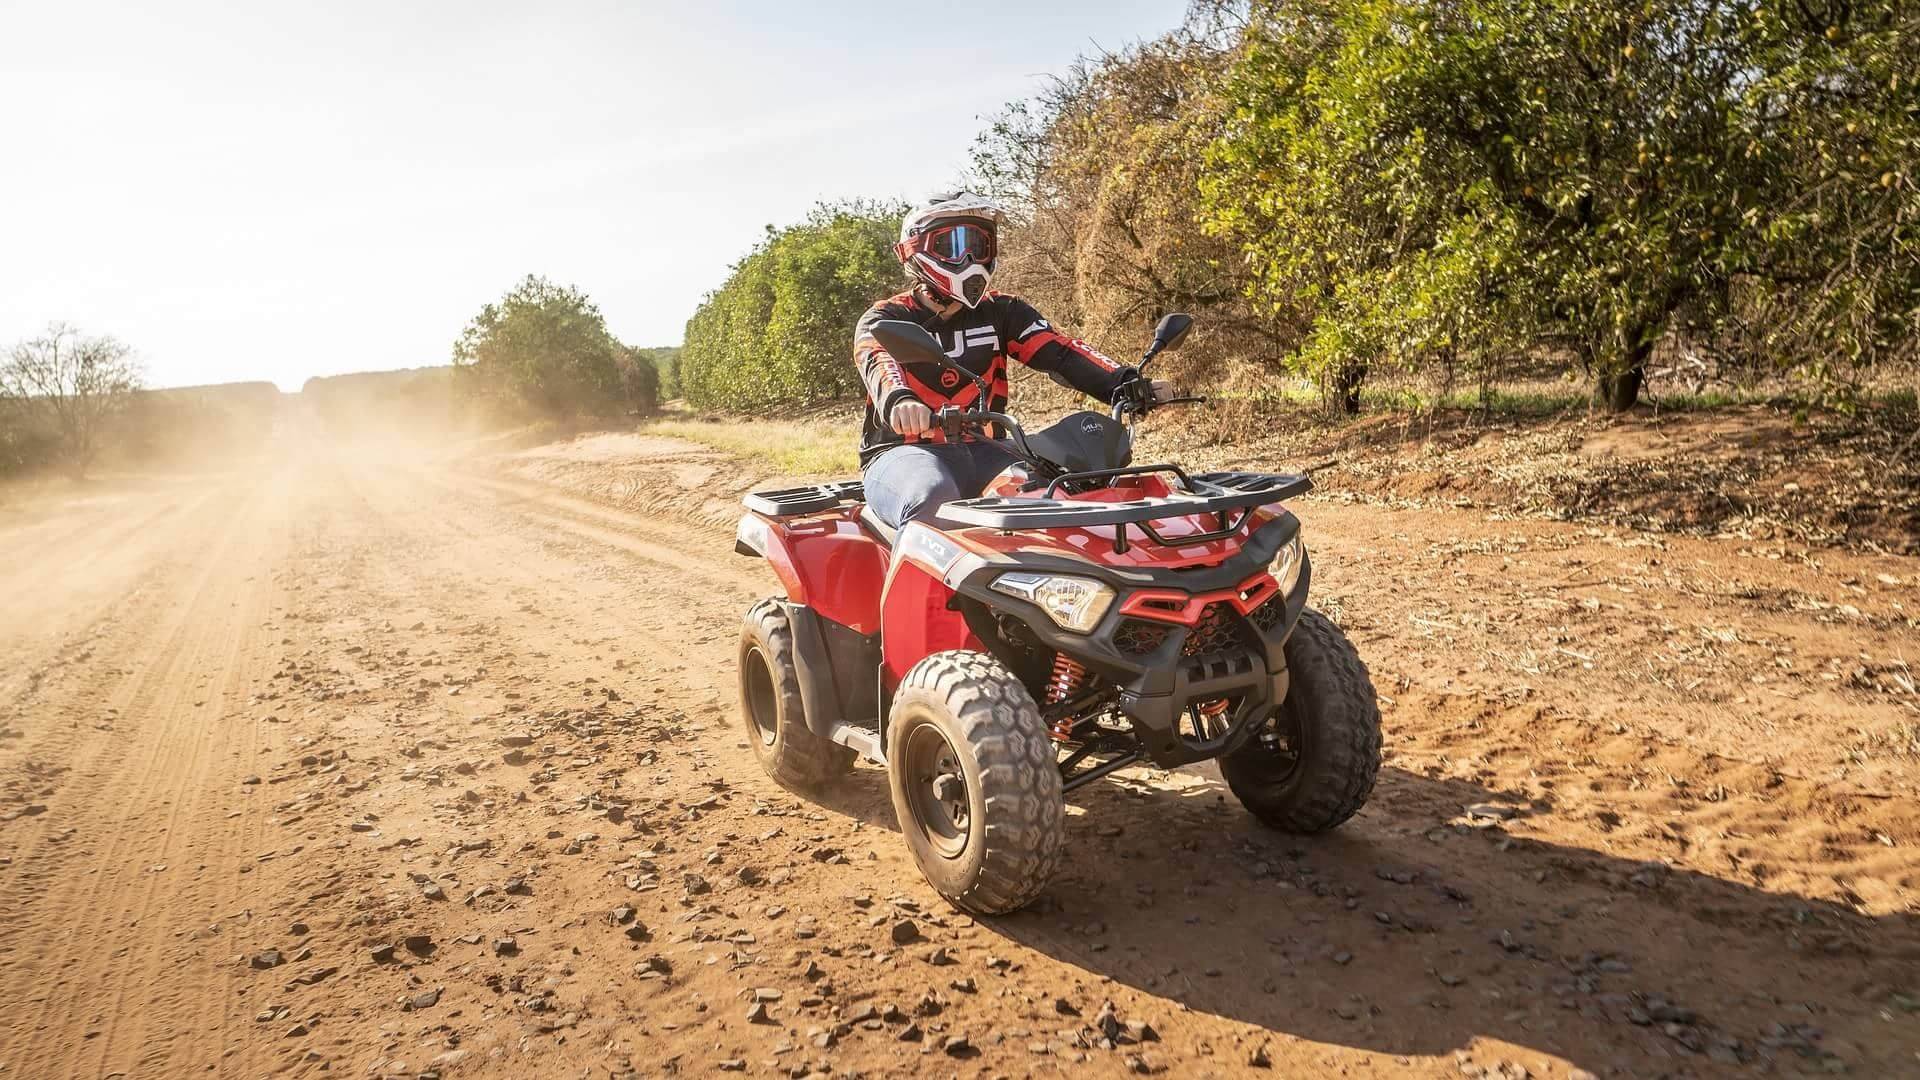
point(1083, 614)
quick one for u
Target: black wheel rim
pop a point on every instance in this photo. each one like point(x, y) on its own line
point(1281, 743)
point(762, 710)
point(937, 793)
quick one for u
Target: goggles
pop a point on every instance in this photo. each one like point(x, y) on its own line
point(956, 245)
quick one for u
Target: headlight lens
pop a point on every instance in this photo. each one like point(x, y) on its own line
point(1287, 565)
point(1073, 603)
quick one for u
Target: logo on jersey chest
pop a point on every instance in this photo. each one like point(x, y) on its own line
point(958, 342)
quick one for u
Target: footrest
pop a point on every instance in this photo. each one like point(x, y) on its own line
point(789, 502)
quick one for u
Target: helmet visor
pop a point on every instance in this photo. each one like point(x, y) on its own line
point(958, 245)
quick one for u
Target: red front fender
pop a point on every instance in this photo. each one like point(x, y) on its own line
point(915, 609)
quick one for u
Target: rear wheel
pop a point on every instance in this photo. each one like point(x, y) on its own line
point(1313, 764)
point(776, 722)
point(975, 783)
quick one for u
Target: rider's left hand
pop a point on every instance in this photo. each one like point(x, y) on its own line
point(1144, 394)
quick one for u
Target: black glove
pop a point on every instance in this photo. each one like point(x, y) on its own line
point(1137, 394)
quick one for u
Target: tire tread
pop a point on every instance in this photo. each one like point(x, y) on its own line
point(799, 760)
point(1346, 733)
point(1019, 774)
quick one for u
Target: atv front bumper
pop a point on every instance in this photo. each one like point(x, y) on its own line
point(1161, 667)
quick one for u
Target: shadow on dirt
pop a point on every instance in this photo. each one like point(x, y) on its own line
point(1413, 931)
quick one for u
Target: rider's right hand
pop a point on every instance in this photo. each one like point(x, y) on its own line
point(910, 418)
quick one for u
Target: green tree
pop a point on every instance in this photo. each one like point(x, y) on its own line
point(639, 378)
point(548, 346)
point(1427, 177)
point(1466, 184)
point(1833, 283)
point(666, 363)
point(780, 329)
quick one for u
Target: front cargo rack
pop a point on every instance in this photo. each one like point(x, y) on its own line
point(1218, 493)
point(789, 502)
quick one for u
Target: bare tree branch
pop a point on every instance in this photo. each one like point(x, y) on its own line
point(70, 384)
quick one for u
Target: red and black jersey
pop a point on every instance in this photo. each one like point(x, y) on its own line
point(979, 339)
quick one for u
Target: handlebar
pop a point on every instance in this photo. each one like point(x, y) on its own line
point(1135, 410)
point(952, 420)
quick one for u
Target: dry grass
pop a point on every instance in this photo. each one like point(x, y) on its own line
point(814, 447)
point(1899, 741)
point(1755, 471)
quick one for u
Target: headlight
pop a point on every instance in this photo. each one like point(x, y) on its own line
point(1287, 565)
point(1075, 603)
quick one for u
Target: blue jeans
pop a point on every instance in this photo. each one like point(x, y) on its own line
point(912, 482)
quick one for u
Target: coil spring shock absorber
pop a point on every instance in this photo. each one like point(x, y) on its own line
point(1206, 719)
point(1068, 676)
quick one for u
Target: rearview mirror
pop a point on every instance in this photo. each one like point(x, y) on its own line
point(909, 342)
point(1171, 332)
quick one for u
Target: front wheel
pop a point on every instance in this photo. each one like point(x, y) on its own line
point(976, 786)
point(1312, 765)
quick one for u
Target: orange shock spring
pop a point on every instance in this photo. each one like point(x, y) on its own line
point(1068, 675)
point(1210, 711)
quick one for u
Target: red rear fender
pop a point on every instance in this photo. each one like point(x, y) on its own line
point(826, 561)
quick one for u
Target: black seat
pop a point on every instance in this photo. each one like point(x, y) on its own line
point(875, 526)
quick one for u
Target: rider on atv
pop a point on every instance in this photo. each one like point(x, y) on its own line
point(950, 245)
point(1000, 614)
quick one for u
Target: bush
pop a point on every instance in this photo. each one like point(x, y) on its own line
point(419, 400)
point(65, 387)
point(204, 423)
point(27, 441)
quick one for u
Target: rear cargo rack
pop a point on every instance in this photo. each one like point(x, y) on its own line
point(1219, 493)
point(790, 502)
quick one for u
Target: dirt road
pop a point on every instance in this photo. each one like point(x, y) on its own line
point(350, 765)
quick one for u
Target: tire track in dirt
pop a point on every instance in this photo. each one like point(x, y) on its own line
point(147, 797)
point(588, 531)
point(112, 544)
point(59, 589)
point(88, 748)
point(711, 559)
point(199, 781)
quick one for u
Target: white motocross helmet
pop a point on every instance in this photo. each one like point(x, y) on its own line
point(950, 243)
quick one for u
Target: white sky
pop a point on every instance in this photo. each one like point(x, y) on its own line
point(272, 191)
